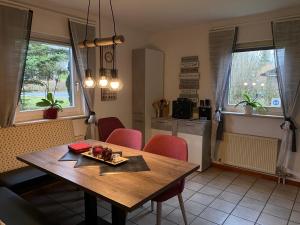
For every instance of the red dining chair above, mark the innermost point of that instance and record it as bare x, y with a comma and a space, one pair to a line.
173, 147
108, 125
126, 137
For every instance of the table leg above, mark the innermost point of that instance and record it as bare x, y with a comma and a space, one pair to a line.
90, 203
118, 216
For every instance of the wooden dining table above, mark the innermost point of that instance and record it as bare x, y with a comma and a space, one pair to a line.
126, 191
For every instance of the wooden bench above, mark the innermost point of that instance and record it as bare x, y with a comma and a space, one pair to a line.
16, 175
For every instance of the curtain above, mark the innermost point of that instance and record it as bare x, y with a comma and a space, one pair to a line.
221, 45
286, 35
15, 25
77, 34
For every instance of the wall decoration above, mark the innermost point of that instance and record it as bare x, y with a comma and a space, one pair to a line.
189, 78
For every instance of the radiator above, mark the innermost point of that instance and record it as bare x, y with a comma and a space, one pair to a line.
250, 152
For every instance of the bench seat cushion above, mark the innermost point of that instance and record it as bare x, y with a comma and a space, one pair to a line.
24, 179
16, 211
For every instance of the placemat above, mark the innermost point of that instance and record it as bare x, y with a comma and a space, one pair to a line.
70, 156
81, 160
134, 164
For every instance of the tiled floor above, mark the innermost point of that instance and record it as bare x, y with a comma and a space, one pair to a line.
211, 197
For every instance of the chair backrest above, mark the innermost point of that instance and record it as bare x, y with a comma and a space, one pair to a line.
32, 137
167, 145
107, 125
126, 137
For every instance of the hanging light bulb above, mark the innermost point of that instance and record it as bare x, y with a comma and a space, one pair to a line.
103, 80
115, 83
88, 82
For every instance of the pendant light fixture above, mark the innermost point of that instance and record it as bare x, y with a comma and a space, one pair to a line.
108, 78
89, 81
103, 80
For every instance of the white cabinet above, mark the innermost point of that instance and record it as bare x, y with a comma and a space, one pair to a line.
195, 148
195, 132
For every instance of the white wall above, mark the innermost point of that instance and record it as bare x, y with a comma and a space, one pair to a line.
49, 22
193, 40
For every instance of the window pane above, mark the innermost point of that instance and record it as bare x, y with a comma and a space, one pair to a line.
48, 69
253, 72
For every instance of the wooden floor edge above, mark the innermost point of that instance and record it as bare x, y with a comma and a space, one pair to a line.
253, 173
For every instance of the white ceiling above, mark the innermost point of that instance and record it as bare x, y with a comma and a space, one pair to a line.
156, 15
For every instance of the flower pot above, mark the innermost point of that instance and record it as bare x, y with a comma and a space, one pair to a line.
50, 113
248, 109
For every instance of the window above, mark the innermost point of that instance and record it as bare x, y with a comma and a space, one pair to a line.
254, 73
49, 68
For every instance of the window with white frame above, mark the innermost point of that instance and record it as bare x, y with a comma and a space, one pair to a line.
49, 68
253, 73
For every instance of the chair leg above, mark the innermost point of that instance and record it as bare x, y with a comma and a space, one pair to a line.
158, 216
152, 206
182, 208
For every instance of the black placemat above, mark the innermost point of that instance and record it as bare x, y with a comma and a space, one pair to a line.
85, 161
134, 164
81, 160
70, 156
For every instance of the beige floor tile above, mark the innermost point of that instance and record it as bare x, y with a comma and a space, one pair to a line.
281, 202
200, 221
252, 204
186, 194
222, 205
149, 219
258, 195
295, 217
240, 190
292, 223
277, 211
172, 202
176, 217
201, 179
194, 208
285, 194
297, 207
246, 213
214, 215
210, 191
202, 198
266, 219
230, 197
233, 220
191, 185
191, 176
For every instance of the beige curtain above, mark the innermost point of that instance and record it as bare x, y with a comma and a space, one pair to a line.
286, 36
77, 34
15, 25
221, 45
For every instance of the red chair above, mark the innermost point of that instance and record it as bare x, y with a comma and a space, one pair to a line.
108, 125
173, 147
126, 137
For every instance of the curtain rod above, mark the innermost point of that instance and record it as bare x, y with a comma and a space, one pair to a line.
30, 6
278, 19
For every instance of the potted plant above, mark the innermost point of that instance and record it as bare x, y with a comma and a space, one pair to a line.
53, 106
249, 104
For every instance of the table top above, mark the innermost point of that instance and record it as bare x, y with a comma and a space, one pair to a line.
127, 190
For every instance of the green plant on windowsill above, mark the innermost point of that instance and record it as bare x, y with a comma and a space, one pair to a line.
53, 106
250, 104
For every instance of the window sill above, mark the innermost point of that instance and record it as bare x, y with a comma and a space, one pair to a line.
253, 115
48, 120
